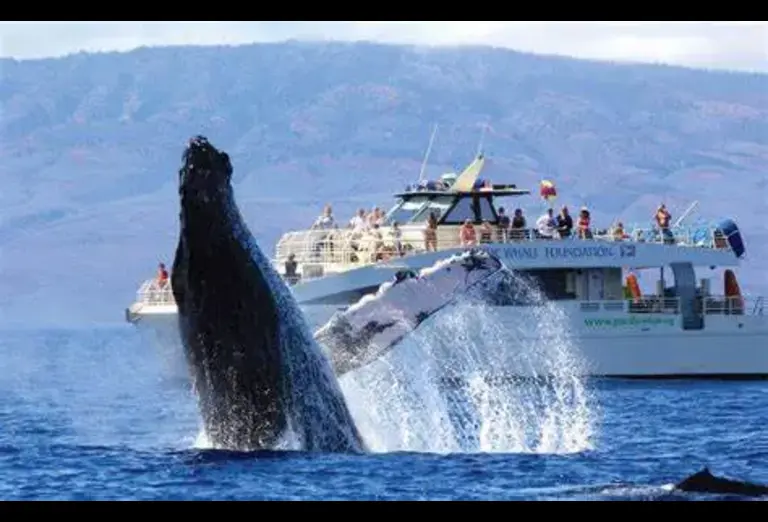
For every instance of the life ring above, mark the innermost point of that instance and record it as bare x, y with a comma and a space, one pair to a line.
734, 300
633, 287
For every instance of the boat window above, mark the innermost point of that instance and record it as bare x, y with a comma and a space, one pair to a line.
404, 211
438, 205
554, 283
463, 210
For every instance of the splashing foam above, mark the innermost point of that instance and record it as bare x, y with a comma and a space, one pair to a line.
447, 387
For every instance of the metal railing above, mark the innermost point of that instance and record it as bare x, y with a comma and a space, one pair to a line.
722, 305
641, 305
649, 304
152, 293
318, 252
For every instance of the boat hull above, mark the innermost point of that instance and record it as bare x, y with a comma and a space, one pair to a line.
512, 342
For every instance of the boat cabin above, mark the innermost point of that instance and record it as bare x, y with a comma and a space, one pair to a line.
450, 207
452, 199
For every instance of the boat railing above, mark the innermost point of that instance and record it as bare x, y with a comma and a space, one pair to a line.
728, 305
154, 293
759, 306
641, 305
686, 236
650, 304
319, 252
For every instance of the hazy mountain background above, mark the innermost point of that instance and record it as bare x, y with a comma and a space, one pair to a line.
91, 146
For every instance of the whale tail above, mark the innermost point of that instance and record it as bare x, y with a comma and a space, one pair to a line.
705, 482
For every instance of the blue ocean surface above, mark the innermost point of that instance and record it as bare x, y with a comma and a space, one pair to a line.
97, 414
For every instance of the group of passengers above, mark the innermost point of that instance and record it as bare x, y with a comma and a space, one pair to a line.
360, 222
364, 230
547, 226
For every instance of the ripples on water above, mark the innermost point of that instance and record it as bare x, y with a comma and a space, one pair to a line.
96, 415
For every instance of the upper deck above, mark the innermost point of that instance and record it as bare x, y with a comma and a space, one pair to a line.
468, 198
319, 253
322, 252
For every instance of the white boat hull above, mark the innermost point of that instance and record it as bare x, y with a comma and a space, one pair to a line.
510, 342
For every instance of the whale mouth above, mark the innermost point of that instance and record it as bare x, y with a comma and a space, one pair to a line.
205, 171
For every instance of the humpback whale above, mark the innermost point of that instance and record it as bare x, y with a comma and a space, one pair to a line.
259, 376
705, 482
373, 326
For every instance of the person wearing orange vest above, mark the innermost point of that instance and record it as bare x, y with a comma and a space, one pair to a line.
162, 275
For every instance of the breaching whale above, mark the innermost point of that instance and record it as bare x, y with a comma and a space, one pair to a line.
369, 329
705, 482
259, 376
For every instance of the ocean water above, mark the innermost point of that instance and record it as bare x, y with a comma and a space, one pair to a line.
96, 414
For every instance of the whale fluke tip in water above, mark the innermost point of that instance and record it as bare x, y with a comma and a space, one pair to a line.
705, 482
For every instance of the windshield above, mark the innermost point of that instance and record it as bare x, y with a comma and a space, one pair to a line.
405, 210
438, 205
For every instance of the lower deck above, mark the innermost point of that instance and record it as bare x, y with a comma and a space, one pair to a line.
644, 313
600, 338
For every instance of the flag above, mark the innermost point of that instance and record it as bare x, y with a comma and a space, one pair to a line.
548, 191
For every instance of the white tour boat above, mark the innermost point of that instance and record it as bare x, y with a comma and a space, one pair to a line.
683, 328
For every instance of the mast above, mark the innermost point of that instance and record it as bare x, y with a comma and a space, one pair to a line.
481, 144
426, 155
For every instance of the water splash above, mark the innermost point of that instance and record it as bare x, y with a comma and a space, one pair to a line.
454, 385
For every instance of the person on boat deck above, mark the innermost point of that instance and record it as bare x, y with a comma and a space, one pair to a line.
356, 229
583, 225
618, 232
359, 223
162, 276
504, 224
376, 242
467, 234
564, 223
397, 235
325, 221
517, 230
290, 269
486, 233
663, 221
430, 233
546, 225
376, 217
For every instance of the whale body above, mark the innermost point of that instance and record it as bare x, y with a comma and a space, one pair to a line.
259, 376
